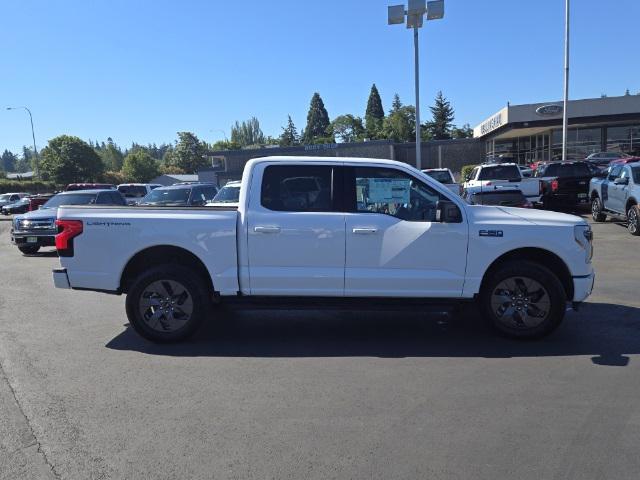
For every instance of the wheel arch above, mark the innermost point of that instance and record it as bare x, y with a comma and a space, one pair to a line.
162, 254
631, 201
541, 256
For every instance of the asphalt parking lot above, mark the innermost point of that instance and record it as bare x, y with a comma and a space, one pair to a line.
317, 395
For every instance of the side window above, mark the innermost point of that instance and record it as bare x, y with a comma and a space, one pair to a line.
197, 196
117, 198
209, 193
14, 198
474, 173
297, 188
615, 172
103, 199
392, 192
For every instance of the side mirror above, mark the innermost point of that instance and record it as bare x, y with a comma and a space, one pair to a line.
448, 212
621, 181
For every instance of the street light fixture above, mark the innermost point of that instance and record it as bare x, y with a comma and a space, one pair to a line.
415, 15
33, 135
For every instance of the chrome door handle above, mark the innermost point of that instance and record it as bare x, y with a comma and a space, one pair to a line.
267, 229
364, 231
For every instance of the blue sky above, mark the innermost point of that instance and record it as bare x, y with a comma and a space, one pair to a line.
142, 70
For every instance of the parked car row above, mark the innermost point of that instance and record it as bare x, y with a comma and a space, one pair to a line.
14, 203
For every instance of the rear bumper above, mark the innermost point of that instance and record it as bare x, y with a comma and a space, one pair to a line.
60, 278
583, 286
568, 199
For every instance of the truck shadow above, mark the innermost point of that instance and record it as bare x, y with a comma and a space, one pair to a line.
606, 333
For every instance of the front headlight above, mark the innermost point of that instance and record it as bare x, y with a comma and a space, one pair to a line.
583, 236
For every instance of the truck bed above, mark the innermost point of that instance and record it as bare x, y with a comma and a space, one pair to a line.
209, 233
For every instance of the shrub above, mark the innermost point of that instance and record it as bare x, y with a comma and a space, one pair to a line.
112, 177
7, 186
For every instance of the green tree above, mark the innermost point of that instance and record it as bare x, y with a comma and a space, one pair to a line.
347, 128
226, 145
188, 154
247, 133
374, 116
68, 159
8, 161
465, 131
140, 167
111, 156
289, 135
443, 115
400, 124
317, 120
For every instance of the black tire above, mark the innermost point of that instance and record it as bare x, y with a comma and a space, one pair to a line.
633, 220
152, 314
597, 210
522, 309
29, 249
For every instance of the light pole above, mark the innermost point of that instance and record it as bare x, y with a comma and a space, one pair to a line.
414, 14
565, 114
33, 135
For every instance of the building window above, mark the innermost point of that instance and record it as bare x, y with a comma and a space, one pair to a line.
624, 139
580, 142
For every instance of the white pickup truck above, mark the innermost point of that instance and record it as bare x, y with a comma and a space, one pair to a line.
498, 176
323, 231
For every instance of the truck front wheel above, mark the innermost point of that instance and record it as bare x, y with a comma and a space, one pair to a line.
167, 303
523, 300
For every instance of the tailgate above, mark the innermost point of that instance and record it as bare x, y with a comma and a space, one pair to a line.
112, 236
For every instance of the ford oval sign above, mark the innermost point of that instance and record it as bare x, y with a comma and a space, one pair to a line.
549, 110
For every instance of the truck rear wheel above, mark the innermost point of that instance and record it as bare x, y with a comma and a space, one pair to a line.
523, 300
29, 249
596, 210
167, 303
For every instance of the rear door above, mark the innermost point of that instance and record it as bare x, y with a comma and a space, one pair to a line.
394, 245
296, 231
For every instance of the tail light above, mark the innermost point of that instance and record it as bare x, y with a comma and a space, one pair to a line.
554, 185
67, 231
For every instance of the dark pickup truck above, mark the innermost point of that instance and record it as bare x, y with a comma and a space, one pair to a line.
564, 184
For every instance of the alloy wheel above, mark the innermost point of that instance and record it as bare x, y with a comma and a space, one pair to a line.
520, 303
632, 221
165, 305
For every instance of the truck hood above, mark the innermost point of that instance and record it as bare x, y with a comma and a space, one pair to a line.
496, 215
40, 214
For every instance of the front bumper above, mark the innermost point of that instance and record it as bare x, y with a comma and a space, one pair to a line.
60, 278
583, 286
25, 238
569, 199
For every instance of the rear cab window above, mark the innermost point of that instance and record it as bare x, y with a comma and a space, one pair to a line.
500, 172
298, 188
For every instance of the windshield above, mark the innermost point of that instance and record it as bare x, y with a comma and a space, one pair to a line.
565, 170
500, 172
161, 196
5, 197
228, 194
70, 199
133, 191
442, 176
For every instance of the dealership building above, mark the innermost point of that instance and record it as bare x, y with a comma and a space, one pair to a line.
533, 132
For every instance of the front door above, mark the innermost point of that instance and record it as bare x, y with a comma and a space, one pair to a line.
395, 246
296, 239
618, 193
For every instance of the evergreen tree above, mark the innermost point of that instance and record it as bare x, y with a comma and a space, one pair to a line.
188, 154
443, 114
289, 135
140, 166
247, 133
374, 116
317, 120
8, 161
465, 131
396, 104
